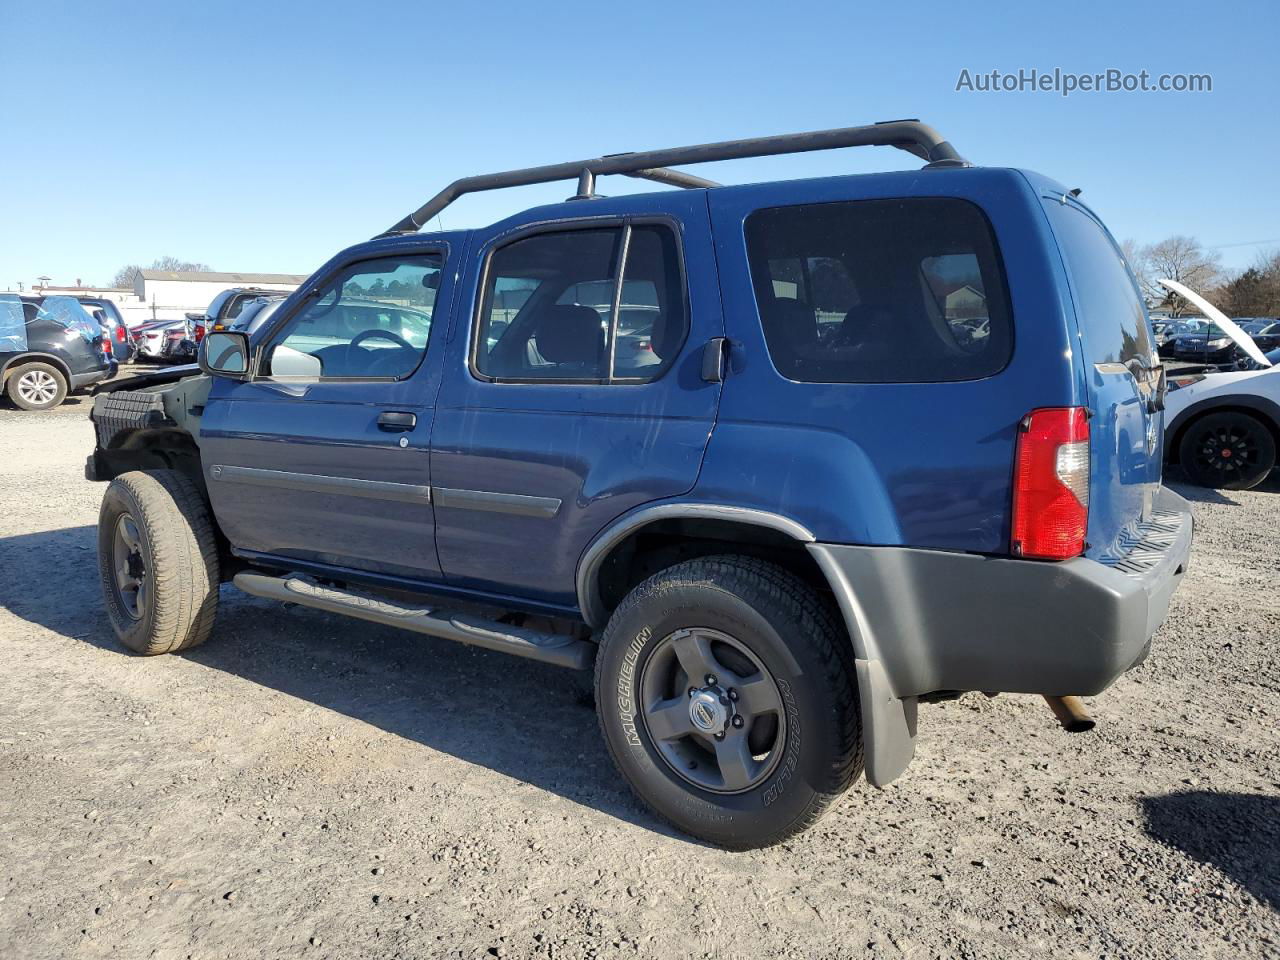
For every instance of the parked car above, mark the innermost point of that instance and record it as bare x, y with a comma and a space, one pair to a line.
152, 338
49, 346
181, 343
1209, 345
1266, 334
772, 545
1223, 427
109, 318
254, 314
228, 305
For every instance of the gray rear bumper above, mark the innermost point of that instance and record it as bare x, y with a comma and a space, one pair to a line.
87, 377
927, 620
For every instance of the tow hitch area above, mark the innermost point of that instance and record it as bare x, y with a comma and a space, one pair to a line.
1071, 713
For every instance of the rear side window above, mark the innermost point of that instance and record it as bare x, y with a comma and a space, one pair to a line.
1108, 307
583, 306
880, 291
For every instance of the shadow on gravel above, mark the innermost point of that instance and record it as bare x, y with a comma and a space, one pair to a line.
1238, 833
1178, 481
51, 578
518, 718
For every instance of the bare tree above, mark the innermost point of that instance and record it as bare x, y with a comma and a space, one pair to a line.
126, 275
1178, 258
1254, 292
1135, 261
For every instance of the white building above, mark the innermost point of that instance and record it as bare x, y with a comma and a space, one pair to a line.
169, 294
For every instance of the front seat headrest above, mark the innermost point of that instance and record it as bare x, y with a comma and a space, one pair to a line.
568, 333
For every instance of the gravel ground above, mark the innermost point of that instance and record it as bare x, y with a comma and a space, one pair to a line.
308, 786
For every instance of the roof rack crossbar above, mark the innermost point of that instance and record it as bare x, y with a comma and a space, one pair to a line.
916, 138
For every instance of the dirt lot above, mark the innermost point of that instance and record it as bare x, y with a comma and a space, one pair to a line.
305, 786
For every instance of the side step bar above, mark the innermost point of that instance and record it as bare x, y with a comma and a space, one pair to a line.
550, 648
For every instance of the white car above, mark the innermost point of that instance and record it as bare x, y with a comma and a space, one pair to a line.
1224, 427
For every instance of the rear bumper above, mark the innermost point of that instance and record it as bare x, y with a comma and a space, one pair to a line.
106, 372
950, 621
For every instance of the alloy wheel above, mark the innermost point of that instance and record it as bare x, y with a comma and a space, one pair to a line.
713, 710
1227, 450
37, 387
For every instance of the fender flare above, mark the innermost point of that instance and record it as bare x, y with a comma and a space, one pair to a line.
38, 356
589, 601
1249, 401
888, 722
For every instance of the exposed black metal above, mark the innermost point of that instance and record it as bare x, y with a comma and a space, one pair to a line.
916, 138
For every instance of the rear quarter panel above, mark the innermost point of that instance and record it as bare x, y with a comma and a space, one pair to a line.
916, 464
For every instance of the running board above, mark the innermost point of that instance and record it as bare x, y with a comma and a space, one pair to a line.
552, 648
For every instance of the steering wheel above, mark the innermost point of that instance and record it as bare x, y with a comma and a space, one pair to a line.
395, 338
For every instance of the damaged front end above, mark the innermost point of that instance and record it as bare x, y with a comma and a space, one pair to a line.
147, 422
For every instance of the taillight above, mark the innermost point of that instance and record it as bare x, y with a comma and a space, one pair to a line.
1051, 484
199, 332
120, 334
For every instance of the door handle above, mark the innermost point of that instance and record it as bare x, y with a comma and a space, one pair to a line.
396, 420
713, 358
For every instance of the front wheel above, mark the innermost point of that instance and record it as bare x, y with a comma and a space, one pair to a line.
1229, 451
158, 561
727, 697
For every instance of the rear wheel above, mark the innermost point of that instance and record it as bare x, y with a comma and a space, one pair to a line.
158, 561
1229, 451
37, 386
727, 697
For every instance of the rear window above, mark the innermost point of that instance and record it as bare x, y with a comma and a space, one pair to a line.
1108, 308
880, 291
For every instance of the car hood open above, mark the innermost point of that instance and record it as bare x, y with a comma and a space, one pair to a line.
1229, 326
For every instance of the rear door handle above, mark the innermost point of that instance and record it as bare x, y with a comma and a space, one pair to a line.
396, 420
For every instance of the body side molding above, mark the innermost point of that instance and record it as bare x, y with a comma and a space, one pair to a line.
318, 483
515, 503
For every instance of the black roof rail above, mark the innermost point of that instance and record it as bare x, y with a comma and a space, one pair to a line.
913, 136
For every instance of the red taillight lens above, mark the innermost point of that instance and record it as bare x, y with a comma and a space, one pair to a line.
1051, 484
199, 332
120, 334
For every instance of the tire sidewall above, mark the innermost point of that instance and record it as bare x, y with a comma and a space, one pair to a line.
26, 368
118, 500
804, 770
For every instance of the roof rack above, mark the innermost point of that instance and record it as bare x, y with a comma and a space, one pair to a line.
910, 135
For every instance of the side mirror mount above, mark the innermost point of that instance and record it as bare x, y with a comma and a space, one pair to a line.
225, 354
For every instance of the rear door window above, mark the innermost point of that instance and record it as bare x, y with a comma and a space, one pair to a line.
874, 291
583, 306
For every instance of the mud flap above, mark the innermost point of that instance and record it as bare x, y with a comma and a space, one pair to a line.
888, 725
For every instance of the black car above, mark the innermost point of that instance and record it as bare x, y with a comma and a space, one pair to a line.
49, 346
1206, 345
1267, 337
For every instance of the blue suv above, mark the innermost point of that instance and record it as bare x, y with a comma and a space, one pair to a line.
783, 461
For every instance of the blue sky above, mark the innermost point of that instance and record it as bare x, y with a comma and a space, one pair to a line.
265, 137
